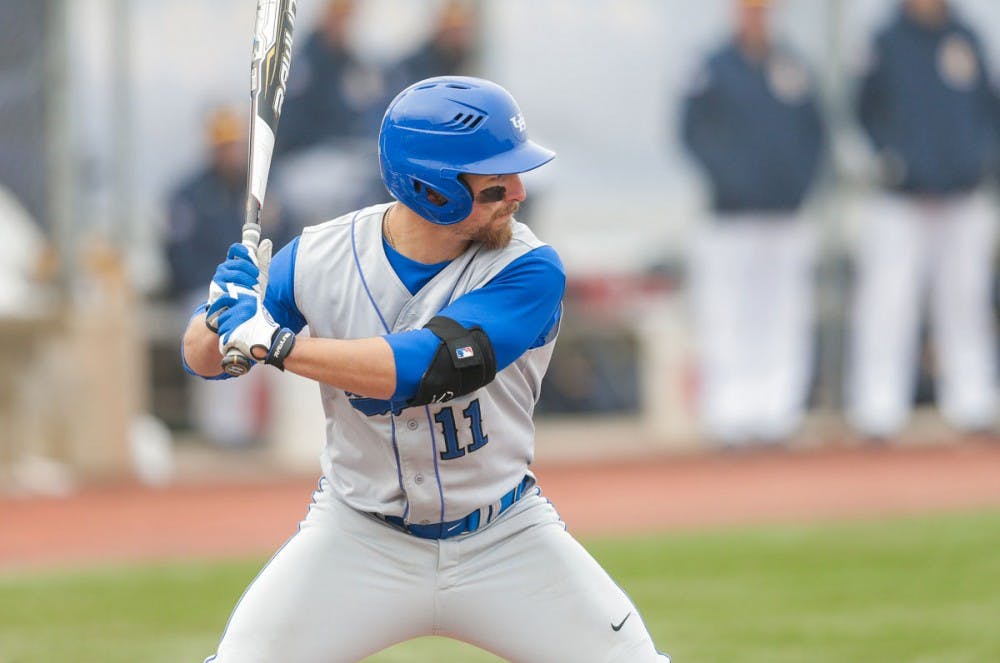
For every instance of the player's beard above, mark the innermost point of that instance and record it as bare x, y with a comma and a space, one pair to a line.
497, 235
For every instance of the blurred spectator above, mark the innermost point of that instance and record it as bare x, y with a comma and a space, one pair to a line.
450, 50
333, 95
205, 215
208, 208
325, 155
927, 106
752, 122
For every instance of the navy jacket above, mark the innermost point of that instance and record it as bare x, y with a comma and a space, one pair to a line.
756, 129
926, 101
331, 96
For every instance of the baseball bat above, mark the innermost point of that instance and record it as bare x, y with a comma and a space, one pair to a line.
270, 60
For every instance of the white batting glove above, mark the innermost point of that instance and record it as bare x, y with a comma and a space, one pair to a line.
243, 272
246, 325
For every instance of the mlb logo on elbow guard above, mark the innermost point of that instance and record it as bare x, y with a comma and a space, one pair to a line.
463, 353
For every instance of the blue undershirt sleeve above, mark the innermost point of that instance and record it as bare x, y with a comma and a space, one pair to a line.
280, 296
517, 309
413, 352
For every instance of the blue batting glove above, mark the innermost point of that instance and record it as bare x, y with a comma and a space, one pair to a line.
242, 272
233, 312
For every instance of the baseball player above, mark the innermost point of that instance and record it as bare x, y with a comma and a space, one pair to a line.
431, 323
929, 233
752, 122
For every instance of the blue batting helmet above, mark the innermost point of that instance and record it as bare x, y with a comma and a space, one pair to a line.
441, 127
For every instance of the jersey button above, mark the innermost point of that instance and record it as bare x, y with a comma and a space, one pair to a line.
412, 424
419, 479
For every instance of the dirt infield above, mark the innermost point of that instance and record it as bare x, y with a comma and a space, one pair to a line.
131, 523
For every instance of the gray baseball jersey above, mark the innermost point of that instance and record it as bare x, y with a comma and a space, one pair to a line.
411, 463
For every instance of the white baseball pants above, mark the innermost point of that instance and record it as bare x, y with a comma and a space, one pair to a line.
752, 299
348, 585
911, 251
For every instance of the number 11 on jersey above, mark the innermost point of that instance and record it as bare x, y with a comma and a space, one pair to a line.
446, 417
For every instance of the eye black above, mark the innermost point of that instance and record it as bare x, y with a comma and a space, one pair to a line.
493, 194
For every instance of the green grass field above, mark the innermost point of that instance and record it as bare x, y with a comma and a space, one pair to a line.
912, 590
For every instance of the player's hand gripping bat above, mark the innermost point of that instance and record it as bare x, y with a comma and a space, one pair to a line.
271, 57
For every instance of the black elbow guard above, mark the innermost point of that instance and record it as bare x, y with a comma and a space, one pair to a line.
463, 363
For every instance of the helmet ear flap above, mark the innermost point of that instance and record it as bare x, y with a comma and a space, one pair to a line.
447, 201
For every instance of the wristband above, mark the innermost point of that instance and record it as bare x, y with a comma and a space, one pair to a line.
281, 347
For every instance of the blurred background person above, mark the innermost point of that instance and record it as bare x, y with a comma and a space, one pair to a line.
324, 149
751, 121
205, 213
332, 93
450, 50
929, 232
